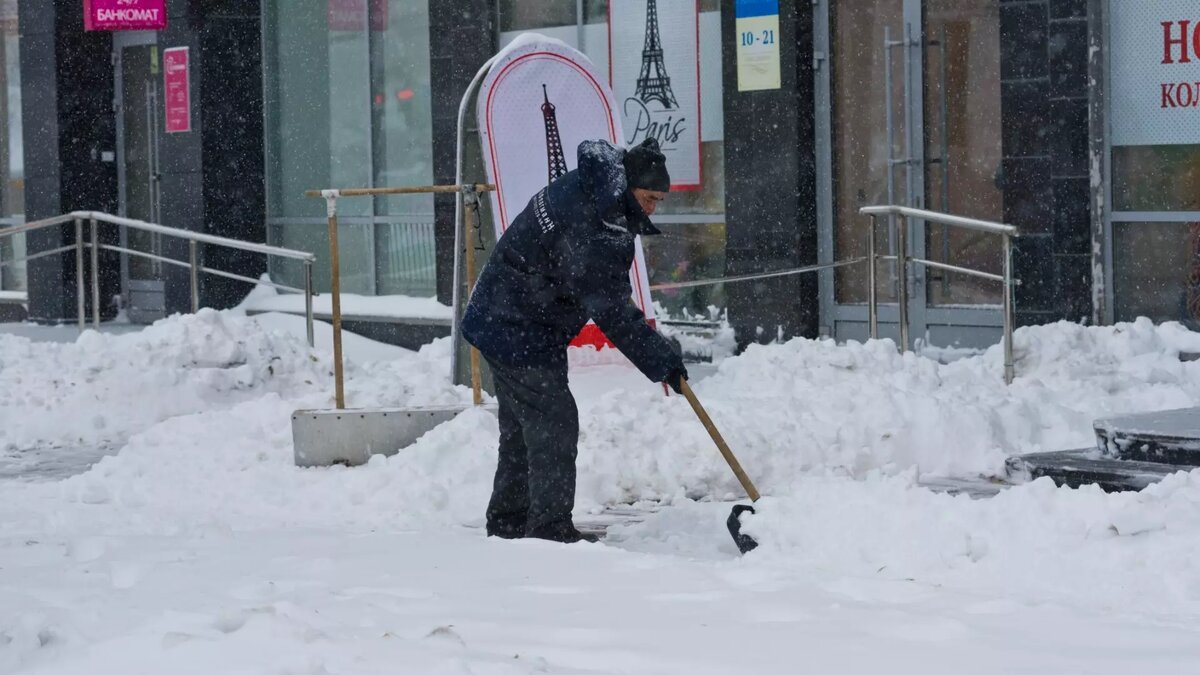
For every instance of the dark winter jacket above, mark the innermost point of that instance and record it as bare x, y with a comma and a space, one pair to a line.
566, 258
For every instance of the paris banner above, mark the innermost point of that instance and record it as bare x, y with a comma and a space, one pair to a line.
540, 100
654, 69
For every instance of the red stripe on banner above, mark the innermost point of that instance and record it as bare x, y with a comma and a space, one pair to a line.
612, 130
637, 277
608, 19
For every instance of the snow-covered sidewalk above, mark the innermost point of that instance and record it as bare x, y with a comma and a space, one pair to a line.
199, 547
449, 602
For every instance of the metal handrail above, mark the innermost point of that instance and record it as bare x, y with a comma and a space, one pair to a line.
195, 267
941, 218
1008, 232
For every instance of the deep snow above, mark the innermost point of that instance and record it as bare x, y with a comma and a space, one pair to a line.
199, 547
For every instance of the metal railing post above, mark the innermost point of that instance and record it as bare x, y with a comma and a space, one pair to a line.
95, 273
902, 282
308, 302
79, 290
872, 299
95, 218
903, 258
1009, 369
195, 274
889, 123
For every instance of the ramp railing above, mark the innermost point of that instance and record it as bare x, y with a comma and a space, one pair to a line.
902, 259
194, 264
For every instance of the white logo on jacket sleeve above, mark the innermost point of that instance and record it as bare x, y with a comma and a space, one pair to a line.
541, 214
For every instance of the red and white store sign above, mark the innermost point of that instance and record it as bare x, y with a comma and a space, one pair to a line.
124, 14
542, 98
1154, 72
177, 85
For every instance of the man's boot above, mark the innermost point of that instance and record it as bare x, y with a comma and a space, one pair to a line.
563, 532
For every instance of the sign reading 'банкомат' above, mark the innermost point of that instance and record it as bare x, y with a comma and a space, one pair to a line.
124, 14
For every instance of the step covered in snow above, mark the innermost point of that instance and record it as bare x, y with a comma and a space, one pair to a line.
1088, 466
1168, 437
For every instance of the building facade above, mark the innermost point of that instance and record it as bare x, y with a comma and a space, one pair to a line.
1029, 112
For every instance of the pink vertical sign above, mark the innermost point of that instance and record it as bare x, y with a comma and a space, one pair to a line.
176, 85
124, 14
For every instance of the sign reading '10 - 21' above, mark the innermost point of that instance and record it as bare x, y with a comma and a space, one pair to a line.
757, 25
1154, 70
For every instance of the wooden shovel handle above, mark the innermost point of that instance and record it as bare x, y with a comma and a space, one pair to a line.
335, 271
719, 440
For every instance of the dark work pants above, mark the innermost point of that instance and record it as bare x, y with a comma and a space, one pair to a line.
534, 488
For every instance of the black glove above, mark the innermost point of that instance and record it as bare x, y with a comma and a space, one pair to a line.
675, 377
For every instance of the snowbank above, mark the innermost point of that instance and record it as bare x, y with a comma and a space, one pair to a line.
353, 305
857, 408
202, 405
192, 384
103, 388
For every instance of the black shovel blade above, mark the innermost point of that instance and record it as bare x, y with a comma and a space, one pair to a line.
744, 542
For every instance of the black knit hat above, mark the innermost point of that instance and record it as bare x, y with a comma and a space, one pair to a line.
646, 167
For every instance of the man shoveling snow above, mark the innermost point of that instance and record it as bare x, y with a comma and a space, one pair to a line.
565, 258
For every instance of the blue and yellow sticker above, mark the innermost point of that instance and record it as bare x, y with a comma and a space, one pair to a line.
757, 25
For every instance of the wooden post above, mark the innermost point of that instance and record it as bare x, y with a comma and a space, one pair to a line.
471, 199
336, 293
468, 192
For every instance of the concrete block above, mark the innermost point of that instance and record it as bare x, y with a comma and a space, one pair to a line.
350, 437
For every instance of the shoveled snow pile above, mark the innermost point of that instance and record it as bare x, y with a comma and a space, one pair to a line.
1136, 551
103, 388
205, 403
857, 408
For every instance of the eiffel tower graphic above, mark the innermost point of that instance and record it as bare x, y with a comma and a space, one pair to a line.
556, 163
653, 84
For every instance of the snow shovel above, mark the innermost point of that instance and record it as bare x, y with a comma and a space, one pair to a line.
351, 436
744, 542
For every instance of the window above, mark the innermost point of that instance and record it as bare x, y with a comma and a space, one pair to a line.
692, 245
12, 165
1156, 178
1154, 224
1157, 272
348, 105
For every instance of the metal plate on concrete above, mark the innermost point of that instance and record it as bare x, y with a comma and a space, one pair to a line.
1088, 466
350, 437
1167, 436
976, 487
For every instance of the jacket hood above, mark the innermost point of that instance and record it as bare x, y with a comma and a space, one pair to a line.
601, 168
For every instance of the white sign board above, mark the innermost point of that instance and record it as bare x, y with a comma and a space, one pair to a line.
540, 100
654, 69
757, 24
1154, 68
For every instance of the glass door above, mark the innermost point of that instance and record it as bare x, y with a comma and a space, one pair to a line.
908, 113
139, 129
964, 172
